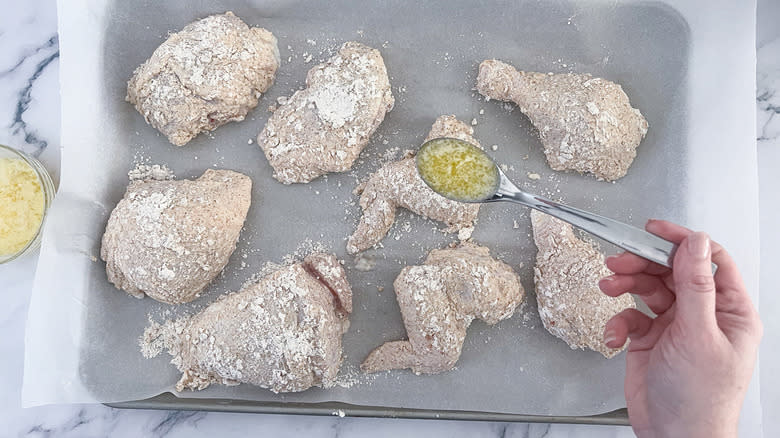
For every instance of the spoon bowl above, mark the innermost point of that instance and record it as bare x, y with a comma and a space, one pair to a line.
458, 170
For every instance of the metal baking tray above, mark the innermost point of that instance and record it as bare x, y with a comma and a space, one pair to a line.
617, 417
642, 45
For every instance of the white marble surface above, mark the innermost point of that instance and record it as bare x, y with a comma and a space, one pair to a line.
29, 119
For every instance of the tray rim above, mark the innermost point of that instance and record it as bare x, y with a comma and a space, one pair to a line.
168, 401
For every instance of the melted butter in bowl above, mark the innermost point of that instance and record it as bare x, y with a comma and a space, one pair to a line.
457, 170
26, 191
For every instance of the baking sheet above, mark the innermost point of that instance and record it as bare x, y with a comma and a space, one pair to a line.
432, 54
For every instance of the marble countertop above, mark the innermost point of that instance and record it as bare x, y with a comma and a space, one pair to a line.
29, 119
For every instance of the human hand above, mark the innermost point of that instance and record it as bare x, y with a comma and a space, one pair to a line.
688, 369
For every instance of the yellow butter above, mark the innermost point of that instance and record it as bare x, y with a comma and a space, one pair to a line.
21, 204
457, 170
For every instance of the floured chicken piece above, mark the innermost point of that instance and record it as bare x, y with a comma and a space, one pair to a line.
438, 301
567, 274
324, 127
282, 332
209, 74
399, 185
586, 124
170, 239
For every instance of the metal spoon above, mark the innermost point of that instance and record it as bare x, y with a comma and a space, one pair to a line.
632, 239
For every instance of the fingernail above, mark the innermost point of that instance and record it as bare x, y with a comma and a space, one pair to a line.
612, 257
609, 338
699, 245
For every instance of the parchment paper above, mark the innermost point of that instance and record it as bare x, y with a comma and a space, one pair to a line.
82, 333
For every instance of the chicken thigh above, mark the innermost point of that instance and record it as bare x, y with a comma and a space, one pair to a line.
586, 124
567, 273
170, 239
324, 127
398, 184
209, 74
438, 300
282, 332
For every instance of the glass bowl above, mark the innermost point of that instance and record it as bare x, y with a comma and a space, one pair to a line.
48, 194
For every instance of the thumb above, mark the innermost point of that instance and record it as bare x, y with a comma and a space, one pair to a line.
693, 281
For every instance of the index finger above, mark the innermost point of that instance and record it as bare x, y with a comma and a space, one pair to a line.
628, 263
727, 275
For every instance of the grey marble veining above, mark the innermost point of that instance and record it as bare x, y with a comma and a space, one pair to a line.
29, 119
49, 51
29, 90
768, 92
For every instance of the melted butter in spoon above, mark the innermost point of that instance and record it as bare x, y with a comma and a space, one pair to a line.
457, 170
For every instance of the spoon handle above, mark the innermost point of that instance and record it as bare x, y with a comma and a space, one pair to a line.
631, 239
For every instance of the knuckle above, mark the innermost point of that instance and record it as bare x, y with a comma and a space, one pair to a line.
701, 283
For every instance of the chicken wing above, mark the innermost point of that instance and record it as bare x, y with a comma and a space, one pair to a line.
438, 300
209, 74
324, 127
282, 332
170, 239
399, 185
566, 275
586, 124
